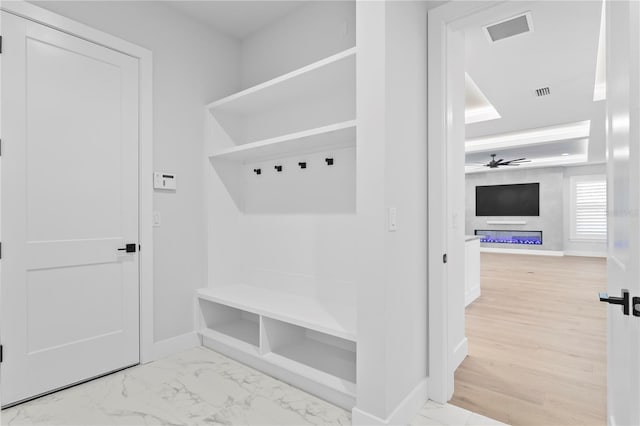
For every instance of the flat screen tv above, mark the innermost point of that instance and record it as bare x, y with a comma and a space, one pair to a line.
521, 199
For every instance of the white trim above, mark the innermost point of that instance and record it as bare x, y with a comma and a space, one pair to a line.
145, 58
521, 251
471, 295
588, 253
168, 347
506, 222
440, 20
403, 414
460, 352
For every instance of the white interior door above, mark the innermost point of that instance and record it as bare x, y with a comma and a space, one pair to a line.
69, 202
623, 178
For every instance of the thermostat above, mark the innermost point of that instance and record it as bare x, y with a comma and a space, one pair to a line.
162, 180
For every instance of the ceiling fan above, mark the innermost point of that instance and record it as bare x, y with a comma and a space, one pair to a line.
494, 164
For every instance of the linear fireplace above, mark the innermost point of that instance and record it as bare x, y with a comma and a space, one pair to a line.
504, 236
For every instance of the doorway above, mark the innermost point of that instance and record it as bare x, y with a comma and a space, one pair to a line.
445, 101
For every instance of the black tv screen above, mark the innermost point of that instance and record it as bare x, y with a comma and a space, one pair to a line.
521, 199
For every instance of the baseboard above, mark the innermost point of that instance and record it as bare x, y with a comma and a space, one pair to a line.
460, 352
585, 253
517, 251
471, 295
403, 414
173, 345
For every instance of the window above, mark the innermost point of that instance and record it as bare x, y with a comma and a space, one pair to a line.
588, 208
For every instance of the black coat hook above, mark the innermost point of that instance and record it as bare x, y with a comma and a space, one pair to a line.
278, 168
329, 161
257, 171
302, 164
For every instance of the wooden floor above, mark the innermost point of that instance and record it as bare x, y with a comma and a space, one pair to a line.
537, 342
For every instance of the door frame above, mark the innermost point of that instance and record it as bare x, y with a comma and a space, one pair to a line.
20, 8
442, 164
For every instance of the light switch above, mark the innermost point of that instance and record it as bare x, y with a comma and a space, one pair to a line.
393, 219
156, 219
163, 180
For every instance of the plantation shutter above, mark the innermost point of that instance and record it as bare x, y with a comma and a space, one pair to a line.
590, 209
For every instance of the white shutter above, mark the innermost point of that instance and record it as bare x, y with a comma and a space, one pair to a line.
589, 212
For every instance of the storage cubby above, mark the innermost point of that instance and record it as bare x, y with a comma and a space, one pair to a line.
281, 184
318, 351
228, 321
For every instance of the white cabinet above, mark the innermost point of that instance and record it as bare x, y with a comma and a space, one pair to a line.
281, 185
472, 269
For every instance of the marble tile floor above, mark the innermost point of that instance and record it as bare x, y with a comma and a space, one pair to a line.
199, 387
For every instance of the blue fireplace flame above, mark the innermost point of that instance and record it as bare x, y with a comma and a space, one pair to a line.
510, 237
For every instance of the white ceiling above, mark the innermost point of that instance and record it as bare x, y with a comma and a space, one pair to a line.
561, 53
237, 18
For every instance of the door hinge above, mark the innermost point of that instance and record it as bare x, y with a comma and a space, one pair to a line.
444, 258
1, 353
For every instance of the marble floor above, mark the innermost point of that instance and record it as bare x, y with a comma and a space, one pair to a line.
199, 387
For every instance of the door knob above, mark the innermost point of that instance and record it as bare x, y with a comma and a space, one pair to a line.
635, 304
624, 300
129, 248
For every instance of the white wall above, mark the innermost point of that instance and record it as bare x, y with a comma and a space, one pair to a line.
193, 65
554, 219
307, 34
551, 206
295, 231
392, 154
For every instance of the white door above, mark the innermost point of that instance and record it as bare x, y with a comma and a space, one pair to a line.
623, 178
69, 202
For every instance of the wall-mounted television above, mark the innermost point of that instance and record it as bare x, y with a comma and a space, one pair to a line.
522, 199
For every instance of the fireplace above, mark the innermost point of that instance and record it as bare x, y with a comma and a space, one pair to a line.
503, 236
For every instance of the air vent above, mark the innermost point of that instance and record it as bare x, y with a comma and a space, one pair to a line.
511, 27
543, 91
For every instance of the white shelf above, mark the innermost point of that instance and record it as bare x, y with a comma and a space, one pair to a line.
347, 387
333, 319
229, 340
322, 76
242, 329
334, 136
320, 356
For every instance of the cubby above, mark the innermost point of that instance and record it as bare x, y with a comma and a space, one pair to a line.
222, 321
281, 179
317, 351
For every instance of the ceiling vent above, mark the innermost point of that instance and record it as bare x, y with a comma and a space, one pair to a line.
511, 27
543, 91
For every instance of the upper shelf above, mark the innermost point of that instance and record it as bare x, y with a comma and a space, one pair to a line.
339, 135
335, 71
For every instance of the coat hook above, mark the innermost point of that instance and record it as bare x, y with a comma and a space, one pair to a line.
257, 171
278, 168
329, 161
302, 164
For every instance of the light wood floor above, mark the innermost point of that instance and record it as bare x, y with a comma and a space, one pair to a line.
537, 342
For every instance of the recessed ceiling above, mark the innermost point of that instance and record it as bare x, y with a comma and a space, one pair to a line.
237, 18
563, 152
560, 54
477, 106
